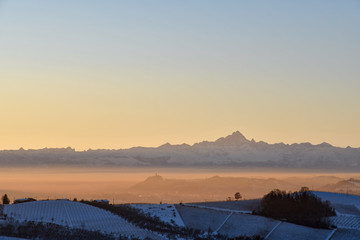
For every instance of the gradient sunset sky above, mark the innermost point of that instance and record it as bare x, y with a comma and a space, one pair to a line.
117, 74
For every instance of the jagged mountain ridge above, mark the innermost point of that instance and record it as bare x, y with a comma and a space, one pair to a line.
234, 151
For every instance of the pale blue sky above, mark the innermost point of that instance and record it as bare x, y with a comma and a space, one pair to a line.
124, 73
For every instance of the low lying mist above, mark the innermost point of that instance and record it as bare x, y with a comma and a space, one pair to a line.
154, 185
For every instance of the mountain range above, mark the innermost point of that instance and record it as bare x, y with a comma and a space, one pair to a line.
233, 151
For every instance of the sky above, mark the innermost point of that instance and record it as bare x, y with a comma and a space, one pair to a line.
118, 74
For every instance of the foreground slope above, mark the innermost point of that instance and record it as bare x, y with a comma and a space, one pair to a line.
166, 212
226, 220
284, 230
248, 225
231, 218
75, 215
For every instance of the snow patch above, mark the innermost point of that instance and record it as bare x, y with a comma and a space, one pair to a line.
166, 212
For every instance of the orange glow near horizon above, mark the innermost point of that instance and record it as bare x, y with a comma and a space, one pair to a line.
123, 74
114, 183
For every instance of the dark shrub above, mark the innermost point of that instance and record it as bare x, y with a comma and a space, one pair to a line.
301, 207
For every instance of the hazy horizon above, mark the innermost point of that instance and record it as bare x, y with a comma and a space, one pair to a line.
114, 184
191, 144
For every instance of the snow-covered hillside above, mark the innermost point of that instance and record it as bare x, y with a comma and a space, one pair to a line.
231, 218
284, 230
340, 198
245, 205
233, 223
11, 238
228, 218
166, 212
347, 208
75, 215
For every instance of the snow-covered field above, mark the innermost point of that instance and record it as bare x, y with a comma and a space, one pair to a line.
245, 205
247, 225
347, 207
346, 234
200, 218
340, 198
10, 238
233, 223
76, 215
346, 221
297, 232
226, 218
166, 212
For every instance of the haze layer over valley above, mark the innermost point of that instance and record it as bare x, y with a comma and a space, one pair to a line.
126, 185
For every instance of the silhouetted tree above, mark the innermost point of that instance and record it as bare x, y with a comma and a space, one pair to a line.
5, 199
238, 196
301, 207
304, 189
